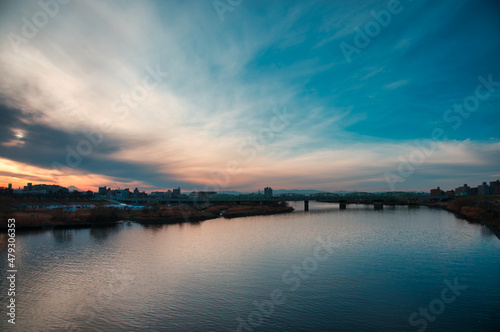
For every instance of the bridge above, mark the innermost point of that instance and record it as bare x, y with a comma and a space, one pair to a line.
378, 200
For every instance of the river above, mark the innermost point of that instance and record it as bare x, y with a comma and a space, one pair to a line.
359, 269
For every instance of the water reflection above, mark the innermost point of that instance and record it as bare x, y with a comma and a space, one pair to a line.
204, 276
3, 241
154, 227
100, 234
63, 236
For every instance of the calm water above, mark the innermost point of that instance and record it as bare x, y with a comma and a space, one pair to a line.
378, 269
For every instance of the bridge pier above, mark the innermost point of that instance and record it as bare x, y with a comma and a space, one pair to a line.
378, 206
342, 205
306, 205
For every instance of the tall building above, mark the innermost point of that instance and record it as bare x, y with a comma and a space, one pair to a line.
268, 192
103, 191
483, 189
176, 193
495, 187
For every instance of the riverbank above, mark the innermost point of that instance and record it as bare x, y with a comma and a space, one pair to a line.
474, 209
155, 214
186, 213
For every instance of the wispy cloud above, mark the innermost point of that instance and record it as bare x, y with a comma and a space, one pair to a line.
223, 81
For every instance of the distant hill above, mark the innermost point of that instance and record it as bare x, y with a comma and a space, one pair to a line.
71, 188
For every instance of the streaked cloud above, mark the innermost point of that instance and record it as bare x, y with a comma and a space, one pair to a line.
222, 81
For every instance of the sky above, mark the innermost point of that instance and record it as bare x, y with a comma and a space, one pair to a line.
241, 95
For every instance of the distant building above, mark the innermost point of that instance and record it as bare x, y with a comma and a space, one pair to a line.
462, 191
102, 191
483, 189
268, 192
4, 190
125, 193
472, 192
495, 187
176, 193
450, 193
162, 194
437, 192
45, 189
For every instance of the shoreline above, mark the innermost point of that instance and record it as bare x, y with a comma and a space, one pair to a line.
471, 209
158, 216
474, 210
495, 228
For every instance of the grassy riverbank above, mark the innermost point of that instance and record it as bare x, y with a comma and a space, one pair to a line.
186, 213
156, 214
477, 209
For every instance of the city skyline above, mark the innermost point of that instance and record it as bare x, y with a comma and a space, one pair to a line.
383, 96
483, 189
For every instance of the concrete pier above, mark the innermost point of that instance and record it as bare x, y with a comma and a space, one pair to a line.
306, 205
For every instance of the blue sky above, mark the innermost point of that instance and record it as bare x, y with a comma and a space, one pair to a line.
208, 77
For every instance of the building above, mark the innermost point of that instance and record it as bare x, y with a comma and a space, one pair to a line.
268, 192
176, 193
472, 192
495, 187
45, 189
462, 191
437, 192
483, 189
162, 194
103, 191
125, 193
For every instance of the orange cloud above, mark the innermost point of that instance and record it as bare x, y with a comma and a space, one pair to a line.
18, 174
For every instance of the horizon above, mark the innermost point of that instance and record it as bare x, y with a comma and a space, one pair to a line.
373, 97
258, 190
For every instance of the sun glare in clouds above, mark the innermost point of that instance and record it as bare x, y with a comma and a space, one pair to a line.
216, 86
